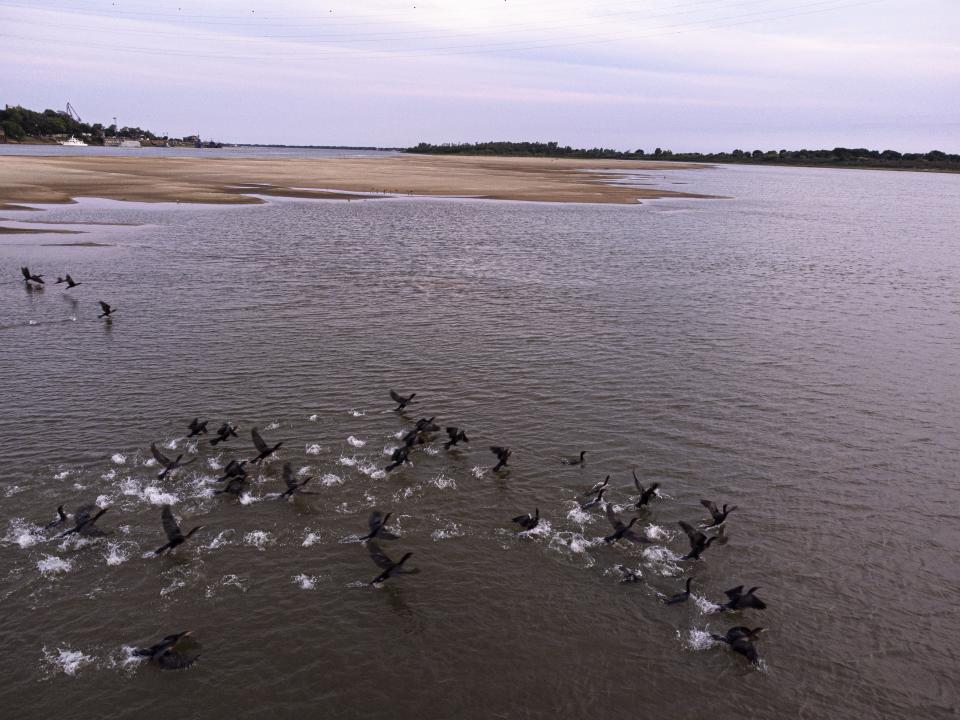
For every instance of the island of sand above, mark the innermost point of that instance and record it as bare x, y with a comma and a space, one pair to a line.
60, 179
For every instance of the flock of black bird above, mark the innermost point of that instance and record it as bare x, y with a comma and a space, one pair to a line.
34, 280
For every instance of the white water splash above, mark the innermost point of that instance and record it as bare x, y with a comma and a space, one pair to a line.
220, 540
156, 496
23, 533
579, 515
357, 413
109, 475
662, 560
272, 426
61, 475
312, 418
248, 499
704, 605
399, 434
66, 661
372, 471
172, 587
478, 471
311, 538
451, 530
347, 461
388, 450
129, 658
214, 464
307, 582
118, 459
172, 444
149, 462
51, 565
258, 539
116, 554
697, 639
313, 449
330, 480
444, 482
431, 450
657, 532
356, 442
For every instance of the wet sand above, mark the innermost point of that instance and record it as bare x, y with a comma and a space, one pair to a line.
35, 179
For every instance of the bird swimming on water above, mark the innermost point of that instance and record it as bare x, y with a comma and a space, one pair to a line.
528, 521
293, 487
646, 494
166, 655
61, 519
84, 520
401, 401
737, 599
264, 449
719, 516
387, 565
399, 456
503, 454
224, 433
378, 523
740, 639
28, 276
196, 427
574, 460
620, 530
107, 310
456, 435
698, 541
175, 536
679, 597
168, 465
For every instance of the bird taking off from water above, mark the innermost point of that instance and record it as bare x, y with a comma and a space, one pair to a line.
107, 310
595, 488
168, 465
593, 502
166, 653
196, 427
740, 639
719, 516
399, 456
84, 519
620, 530
28, 276
737, 599
262, 447
387, 565
574, 460
528, 521
174, 536
456, 435
401, 401
503, 454
224, 433
646, 494
61, 519
293, 487
378, 524
698, 541
71, 283
679, 597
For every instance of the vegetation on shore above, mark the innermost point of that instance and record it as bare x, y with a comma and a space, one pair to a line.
837, 157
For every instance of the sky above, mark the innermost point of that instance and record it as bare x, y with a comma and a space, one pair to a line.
685, 75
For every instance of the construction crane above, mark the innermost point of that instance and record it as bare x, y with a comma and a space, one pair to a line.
72, 112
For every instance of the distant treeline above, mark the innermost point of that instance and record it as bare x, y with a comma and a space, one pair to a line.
838, 157
19, 123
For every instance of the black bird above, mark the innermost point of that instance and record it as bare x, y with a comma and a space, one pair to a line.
620, 530
719, 516
456, 435
170, 527
61, 518
234, 469
596, 487
84, 521
165, 655
196, 427
574, 460
646, 494
586, 505
265, 450
293, 487
386, 564
236, 485
107, 310
168, 465
378, 523
503, 454
528, 521
427, 425
740, 639
402, 401
737, 599
71, 283
28, 276
698, 541
224, 433
679, 597
399, 457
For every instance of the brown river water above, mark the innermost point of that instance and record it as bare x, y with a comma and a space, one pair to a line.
792, 350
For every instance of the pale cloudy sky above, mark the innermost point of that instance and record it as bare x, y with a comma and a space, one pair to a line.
680, 74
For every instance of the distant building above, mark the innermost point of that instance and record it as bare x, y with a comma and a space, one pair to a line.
3, 136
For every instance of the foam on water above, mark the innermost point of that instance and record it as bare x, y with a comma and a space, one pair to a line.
657, 532
478, 471
312, 418
172, 587
220, 540
313, 449
307, 582
109, 475
431, 450
51, 565
543, 529
172, 444
310, 538
388, 450
704, 605
23, 533
214, 464
129, 658
149, 462
66, 661
347, 461
329, 480
259, 539
116, 553
155, 496
399, 434
357, 413
118, 459
662, 560
372, 471
443, 482
248, 499
579, 515
356, 442
61, 475
272, 426
12, 490
450, 530
697, 639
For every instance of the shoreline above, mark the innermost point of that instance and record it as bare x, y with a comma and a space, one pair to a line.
44, 179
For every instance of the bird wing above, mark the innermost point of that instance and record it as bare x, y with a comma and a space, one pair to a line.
83, 513
612, 517
395, 397
106, 308
637, 482
695, 535
288, 476
194, 424
453, 432
734, 593
159, 456
170, 526
497, 450
376, 519
711, 506
258, 441
69, 279
26, 272
521, 518
379, 556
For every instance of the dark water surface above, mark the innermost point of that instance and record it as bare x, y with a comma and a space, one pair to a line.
792, 350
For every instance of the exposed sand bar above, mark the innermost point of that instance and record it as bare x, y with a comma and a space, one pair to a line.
38, 179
